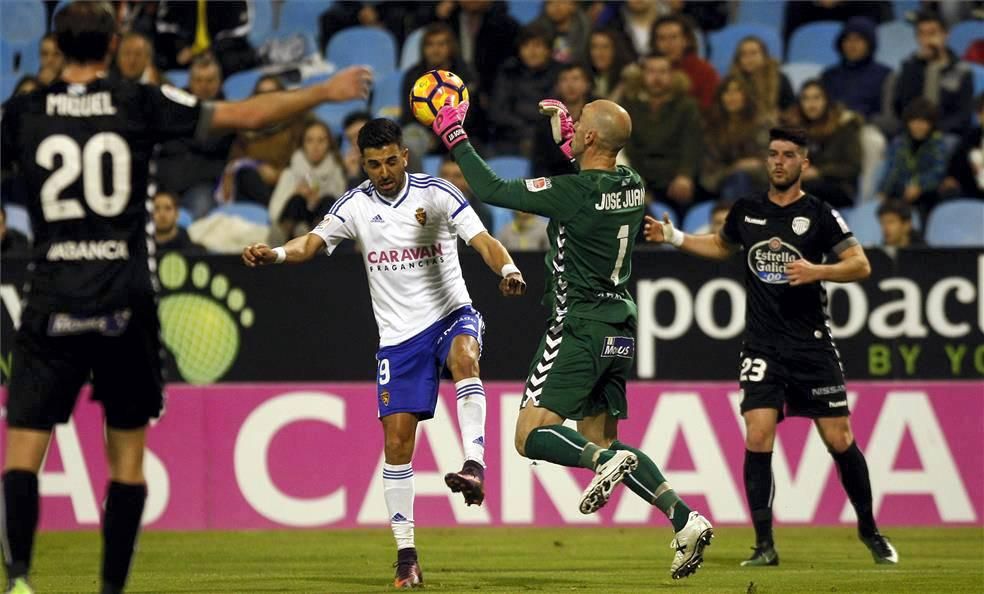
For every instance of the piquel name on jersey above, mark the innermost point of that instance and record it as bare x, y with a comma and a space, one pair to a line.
406, 258
96, 104
630, 198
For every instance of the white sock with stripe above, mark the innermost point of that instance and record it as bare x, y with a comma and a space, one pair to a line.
471, 418
398, 491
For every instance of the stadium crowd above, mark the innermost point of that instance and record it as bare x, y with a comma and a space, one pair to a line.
888, 142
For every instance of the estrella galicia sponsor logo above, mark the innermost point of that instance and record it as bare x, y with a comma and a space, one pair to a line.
619, 346
768, 259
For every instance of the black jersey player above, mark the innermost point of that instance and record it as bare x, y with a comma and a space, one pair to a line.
84, 144
789, 364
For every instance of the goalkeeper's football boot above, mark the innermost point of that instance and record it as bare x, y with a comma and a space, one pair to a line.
689, 545
408, 574
765, 554
469, 481
606, 477
882, 550
19, 586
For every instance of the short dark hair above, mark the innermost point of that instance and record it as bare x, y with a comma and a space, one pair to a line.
533, 32
896, 207
166, 194
920, 108
929, 16
378, 133
585, 70
205, 60
796, 136
84, 31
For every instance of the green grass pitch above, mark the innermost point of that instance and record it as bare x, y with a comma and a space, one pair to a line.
946, 560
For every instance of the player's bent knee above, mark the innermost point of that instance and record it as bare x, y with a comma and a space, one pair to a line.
759, 440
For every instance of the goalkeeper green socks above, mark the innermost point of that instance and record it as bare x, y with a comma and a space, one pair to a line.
648, 482
565, 446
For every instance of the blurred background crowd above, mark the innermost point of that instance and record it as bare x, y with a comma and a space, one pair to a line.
891, 95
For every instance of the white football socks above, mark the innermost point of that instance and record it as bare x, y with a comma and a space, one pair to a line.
398, 491
471, 418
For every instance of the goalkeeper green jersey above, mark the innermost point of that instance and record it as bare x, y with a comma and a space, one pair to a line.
594, 219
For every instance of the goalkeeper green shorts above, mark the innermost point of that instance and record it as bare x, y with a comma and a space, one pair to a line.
581, 367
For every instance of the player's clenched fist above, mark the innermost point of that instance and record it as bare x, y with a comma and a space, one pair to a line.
257, 254
512, 285
802, 272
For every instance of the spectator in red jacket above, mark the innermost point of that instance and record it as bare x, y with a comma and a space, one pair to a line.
674, 37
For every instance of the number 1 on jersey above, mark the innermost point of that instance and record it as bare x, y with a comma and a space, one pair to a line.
623, 244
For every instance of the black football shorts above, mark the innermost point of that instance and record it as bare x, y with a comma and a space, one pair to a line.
796, 382
55, 354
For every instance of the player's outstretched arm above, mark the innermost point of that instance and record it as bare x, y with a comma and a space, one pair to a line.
711, 245
853, 266
299, 249
265, 109
498, 259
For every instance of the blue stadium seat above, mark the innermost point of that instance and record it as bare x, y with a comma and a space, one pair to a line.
184, 218
957, 223
510, 167
500, 218
724, 42
978, 73
254, 213
363, 45
814, 42
178, 78
22, 21
903, 8
656, 210
300, 16
896, 42
863, 221
410, 54
762, 12
963, 34
524, 11
262, 22
698, 216
334, 114
387, 100
240, 85
800, 72
17, 218
431, 164
19, 57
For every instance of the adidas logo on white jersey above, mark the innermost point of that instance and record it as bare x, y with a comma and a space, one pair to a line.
376, 219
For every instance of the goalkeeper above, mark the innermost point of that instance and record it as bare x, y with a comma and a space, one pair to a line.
584, 358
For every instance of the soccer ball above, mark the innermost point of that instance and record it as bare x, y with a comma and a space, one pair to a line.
430, 91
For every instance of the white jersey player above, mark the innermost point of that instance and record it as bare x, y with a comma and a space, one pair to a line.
407, 227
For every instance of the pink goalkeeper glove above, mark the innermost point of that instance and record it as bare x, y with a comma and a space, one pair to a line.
561, 125
449, 121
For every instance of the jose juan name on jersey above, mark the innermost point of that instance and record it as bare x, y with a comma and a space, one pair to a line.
409, 248
772, 236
